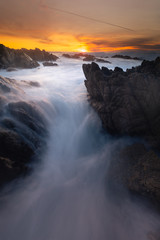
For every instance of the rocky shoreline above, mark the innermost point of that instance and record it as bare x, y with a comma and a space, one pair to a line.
11, 59
23, 129
128, 104
85, 57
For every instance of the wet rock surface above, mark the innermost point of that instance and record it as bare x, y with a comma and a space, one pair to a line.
23, 130
128, 103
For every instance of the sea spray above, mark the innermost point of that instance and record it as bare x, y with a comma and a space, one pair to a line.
66, 197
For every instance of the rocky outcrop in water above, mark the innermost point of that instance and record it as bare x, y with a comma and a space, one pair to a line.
11, 58
40, 55
125, 57
100, 60
89, 58
22, 130
49, 64
74, 56
128, 103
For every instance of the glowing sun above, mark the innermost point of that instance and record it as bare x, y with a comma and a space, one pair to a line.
82, 50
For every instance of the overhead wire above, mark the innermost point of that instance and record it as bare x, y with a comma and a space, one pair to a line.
85, 17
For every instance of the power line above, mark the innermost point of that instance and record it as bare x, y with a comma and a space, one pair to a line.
85, 17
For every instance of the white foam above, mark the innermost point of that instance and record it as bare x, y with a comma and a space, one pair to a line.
66, 196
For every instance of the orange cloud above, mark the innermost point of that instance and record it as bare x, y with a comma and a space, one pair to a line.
30, 24
70, 43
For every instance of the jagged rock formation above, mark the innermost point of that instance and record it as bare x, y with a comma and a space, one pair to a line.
22, 129
128, 103
15, 58
40, 56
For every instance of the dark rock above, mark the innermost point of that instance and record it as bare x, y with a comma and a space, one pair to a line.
10, 58
4, 88
125, 57
102, 60
89, 58
127, 103
74, 56
154, 235
138, 169
150, 67
118, 70
66, 55
8, 170
8, 85
11, 69
31, 83
40, 56
22, 130
85, 56
14, 147
34, 84
49, 64
106, 71
28, 114
8, 123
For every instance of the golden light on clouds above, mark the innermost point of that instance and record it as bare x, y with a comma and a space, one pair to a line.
28, 24
69, 43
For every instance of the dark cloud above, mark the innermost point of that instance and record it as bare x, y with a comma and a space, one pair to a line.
141, 43
151, 47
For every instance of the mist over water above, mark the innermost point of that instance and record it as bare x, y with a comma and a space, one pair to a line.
66, 196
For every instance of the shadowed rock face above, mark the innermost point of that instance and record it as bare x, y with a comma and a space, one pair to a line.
23, 129
40, 56
138, 169
128, 103
10, 58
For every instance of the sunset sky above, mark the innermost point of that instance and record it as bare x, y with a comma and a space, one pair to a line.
36, 23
